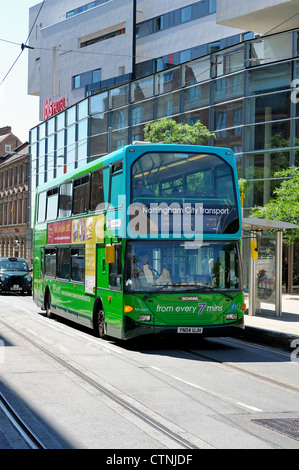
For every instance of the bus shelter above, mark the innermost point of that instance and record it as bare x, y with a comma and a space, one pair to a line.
265, 269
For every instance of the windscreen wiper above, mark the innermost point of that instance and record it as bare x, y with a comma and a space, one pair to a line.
147, 296
208, 287
200, 288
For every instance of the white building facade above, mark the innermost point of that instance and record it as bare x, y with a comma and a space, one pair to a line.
80, 46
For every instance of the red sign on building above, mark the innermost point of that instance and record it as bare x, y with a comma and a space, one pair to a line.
51, 108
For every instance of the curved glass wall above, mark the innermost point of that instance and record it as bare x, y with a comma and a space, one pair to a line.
245, 94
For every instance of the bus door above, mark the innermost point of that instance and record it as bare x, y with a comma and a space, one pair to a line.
114, 305
40, 284
102, 271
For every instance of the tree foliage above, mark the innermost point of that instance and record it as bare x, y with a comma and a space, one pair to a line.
169, 131
242, 186
285, 205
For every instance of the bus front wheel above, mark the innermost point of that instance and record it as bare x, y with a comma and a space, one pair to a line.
48, 305
99, 325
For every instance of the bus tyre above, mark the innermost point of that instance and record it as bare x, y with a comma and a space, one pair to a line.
48, 305
99, 327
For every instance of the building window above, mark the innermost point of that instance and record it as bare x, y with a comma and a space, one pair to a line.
186, 14
104, 37
213, 47
212, 6
158, 23
176, 17
86, 78
85, 7
76, 82
7, 148
96, 76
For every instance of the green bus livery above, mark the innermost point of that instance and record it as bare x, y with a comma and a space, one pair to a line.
143, 240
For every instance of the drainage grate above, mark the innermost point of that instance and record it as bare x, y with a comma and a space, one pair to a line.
287, 426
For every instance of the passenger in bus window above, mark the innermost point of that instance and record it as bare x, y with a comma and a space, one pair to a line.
141, 190
139, 262
141, 269
176, 193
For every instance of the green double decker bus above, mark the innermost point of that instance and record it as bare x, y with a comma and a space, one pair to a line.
142, 241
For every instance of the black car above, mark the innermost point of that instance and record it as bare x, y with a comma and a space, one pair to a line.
14, 276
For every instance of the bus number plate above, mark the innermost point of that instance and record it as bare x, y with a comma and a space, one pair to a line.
189, 329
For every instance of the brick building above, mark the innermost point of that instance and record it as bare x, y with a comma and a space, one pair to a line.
8, 141
13, 203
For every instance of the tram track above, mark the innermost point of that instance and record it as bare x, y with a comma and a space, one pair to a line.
163, 430
174, 435
243, 370
28, 435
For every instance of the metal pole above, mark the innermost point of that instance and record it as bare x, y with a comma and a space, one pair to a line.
252, 283
134, 41
109, 139
278, 274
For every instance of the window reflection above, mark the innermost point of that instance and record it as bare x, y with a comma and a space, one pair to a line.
266, 136
182, 267
179, 178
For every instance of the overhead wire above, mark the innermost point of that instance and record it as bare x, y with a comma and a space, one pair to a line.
188, 82
23, 45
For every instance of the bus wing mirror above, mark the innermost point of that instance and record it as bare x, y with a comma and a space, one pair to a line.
110, 253
253, 249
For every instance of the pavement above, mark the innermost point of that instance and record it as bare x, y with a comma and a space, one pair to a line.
267, 327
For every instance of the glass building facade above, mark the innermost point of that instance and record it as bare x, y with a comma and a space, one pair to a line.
245, 94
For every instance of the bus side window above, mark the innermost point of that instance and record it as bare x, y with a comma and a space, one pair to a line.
52, 204
50, 262
81, 195
63, 263
41, 211
65, 200
99, 189
42, 269
78, 264
117, 190
115, 269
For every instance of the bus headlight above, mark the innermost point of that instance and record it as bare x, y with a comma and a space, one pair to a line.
144, 317
232, 316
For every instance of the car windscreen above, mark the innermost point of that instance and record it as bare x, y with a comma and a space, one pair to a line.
7, 265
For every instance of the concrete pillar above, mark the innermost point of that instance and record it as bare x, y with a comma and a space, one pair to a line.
278, 274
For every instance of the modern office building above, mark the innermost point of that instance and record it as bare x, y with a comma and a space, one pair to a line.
81, 47
188, 67
262, 16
